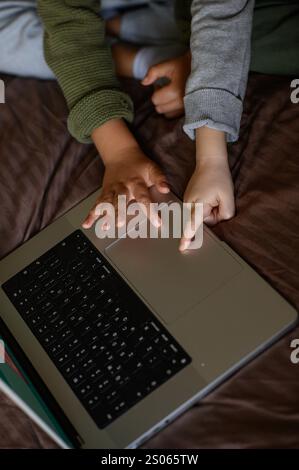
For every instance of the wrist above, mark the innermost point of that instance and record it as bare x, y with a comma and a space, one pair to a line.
113, 140
211, 160
211, 147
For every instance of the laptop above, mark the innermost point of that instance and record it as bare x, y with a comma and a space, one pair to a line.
120, 336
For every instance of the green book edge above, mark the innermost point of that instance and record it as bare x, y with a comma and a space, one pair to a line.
27, 392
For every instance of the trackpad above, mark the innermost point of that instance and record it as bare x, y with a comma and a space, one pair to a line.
172, 282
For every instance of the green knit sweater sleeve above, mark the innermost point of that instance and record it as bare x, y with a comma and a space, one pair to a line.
76, 50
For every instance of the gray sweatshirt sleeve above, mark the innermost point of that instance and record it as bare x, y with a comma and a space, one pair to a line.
220, 48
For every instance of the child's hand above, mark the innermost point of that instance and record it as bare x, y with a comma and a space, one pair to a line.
128, 171
212, 185
169, 99
130, 174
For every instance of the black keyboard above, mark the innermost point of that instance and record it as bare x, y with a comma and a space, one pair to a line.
106, 343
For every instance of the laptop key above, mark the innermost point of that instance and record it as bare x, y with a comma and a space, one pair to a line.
62, 358
88, 364
35, 320
133, 366
55, 349
95, 373
69, 368
111, 396
65, 334
73, 344
81, 354
52, 315
49, 339
119, 406
55, 293
152, 359
113, 368
104, 383
150, 330
84, 390
42, 329
59, 324
77, 379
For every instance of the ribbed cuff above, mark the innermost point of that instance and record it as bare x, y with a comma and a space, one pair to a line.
94, 110
213, 108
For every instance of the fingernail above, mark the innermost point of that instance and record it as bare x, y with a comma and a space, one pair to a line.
97, 210
165, 186
184, 246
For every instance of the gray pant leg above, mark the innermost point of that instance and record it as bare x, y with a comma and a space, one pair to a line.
148, 56
153, 24
110, 8
21, 40
155, 29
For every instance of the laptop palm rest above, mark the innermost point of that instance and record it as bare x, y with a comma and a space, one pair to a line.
171, 282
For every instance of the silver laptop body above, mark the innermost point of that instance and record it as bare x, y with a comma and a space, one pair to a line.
218, 309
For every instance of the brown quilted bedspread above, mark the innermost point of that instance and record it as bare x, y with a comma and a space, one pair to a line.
43, 172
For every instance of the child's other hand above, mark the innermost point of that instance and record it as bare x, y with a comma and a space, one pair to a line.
169, 99
210, 184
129, 173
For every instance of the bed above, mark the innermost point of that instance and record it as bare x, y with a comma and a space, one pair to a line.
44, 172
